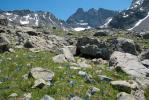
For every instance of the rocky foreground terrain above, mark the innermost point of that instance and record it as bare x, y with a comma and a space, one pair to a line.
37, 63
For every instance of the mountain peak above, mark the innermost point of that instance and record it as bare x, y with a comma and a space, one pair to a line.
80, 10
135, 18
90, 18
136, 3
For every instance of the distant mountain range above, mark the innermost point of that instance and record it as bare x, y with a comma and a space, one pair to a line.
91, 18
135, 18
31, 18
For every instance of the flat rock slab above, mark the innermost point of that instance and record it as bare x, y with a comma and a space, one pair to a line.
41, 73
126, 86
128, 63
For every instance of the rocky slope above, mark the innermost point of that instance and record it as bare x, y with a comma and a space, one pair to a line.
32, 18
135, 18
90, 18
94, 64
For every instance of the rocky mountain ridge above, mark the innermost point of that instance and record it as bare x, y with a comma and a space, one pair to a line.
32, 18
91, 18
135, 18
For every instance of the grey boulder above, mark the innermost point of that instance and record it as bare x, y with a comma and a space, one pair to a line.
92, 47
144, 55
145, 62
125, 45
125, 86
68, 55
41, 73
128, 63
4, 44
47, 97
125, 96
59, 58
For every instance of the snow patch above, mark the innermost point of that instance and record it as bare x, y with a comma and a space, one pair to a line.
83, 24
36, 20
81, 28
26, 17
10, 19
125, 16
139, 22
51, 20
24, 22
107, 23
8, 14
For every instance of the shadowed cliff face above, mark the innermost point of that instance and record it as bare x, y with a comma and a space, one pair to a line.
131, 18
92, 17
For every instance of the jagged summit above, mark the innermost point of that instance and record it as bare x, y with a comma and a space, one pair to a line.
91, 18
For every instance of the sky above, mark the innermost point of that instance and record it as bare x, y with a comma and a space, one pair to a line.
63, 8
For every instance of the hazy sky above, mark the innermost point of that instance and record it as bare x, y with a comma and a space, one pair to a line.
63, 8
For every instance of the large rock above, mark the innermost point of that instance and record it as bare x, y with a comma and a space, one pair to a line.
125, 45
126, 86
67, 53
50, 43
59, 58
47, 97
41, 73
145, 35
93, 48
3, 20
143, 82
145, 62
128, 63
144, 55
125, 96
72, 49
138, 94
28, 30
4, 43
21, 37
40, 83
36, 42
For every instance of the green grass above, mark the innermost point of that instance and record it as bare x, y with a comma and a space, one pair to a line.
14, 65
